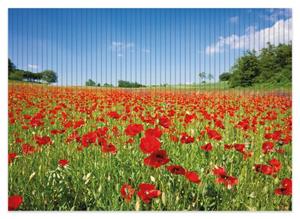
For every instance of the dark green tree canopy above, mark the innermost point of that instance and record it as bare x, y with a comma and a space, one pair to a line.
14, 73
90, 82
129, 84
272, 65
11, 66
49, 76
224, 76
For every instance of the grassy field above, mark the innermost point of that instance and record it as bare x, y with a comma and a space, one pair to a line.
149, 149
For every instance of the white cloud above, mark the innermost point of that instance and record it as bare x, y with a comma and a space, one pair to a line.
121, 46
33, 66
277, 14
234, 20
279, 32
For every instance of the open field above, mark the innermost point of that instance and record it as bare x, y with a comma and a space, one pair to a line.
149, 149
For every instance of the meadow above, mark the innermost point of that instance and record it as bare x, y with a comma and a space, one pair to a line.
79, 148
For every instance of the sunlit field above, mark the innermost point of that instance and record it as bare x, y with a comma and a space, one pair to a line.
73, 148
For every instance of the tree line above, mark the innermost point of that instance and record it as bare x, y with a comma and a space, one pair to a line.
121, 83
272, 64
47, 76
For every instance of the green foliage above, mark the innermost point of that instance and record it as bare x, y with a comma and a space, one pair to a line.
16, 74
49, 76
107, 85
11, 67
245, 71
128, 84
90, 83
224, 76
202, 76
272, 65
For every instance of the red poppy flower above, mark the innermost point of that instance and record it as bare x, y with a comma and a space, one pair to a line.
89, 138
219, 124
42, 140
101, 132
27, 149
228, 146
115, 131
186, 139
286, 187
265, 169
11, 157
109, 148
192, 176
224, 178
164, 122
56, 131
157, 159
155, 132
174, 138
133, 130
219, 171
35, 122
239, 147
147, 192
228, 181
78, 124
127, 192
207, 147
14, 202
213, 134
149, 144
63, 163
271, 169
267, 147
276, 135
189, 117
276, 165
176, 169
286, 140
19, 140
244, 124
113, 115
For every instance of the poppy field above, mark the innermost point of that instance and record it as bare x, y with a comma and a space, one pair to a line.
108, 149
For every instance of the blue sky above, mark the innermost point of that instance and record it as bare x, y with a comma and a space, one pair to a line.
150, 46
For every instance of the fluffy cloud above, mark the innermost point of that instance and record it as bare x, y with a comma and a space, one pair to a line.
121, 46
274, 15
32, 66
279, 32
234, 19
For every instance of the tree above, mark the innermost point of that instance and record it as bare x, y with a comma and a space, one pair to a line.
202, 76
272, 65
16, 76
49, 76
128, 84
210, 77
107, 85
11, 67
274, 60
224, 76
245, 71
90, 82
